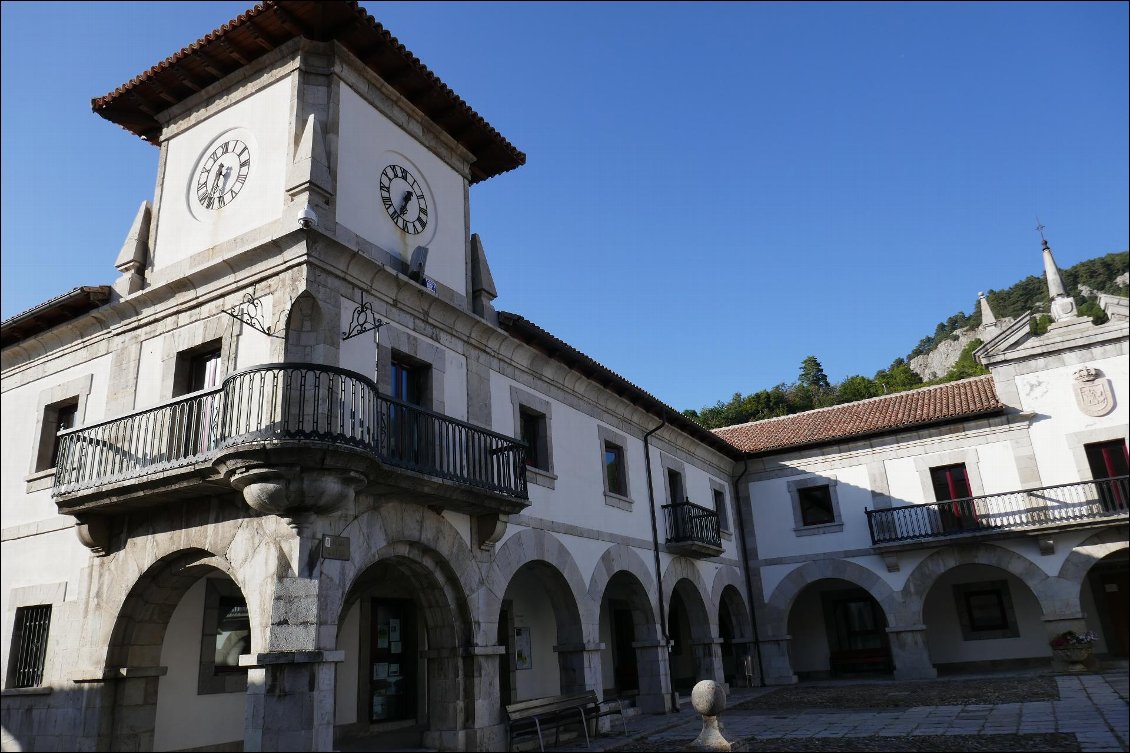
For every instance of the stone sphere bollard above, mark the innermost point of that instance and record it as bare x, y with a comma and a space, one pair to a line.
709, 699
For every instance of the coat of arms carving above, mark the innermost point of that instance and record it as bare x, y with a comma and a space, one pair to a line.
1093, 394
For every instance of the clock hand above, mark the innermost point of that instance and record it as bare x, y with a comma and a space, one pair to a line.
404, 202
216, 182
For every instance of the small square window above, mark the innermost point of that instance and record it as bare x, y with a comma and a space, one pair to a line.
614, 469
985, 610
720, 508
29, 646
816, 507
57, 417
197, 369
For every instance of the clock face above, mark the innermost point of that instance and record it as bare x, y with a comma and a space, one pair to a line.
403, 199
223, 174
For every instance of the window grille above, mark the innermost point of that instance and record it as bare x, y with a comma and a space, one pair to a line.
32, 624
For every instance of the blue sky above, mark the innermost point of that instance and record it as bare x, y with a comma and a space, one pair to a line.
712, 192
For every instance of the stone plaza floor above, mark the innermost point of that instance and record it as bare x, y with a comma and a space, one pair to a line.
1090, 714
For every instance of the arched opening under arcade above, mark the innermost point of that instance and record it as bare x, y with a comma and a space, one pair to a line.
627, 629
403, 623
1105, 599
175, 651
539, 623
688, 628
735, 632
838, 629
978, 613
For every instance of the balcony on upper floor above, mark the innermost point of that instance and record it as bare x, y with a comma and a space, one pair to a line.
1083, 504
693, 529
302, 418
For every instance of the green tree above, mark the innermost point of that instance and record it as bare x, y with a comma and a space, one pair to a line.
812, 375
966, 364
857, 388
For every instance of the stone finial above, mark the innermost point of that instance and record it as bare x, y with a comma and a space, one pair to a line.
135, 252
482, 282
709, 699
310, 168
987, 316
1062, 305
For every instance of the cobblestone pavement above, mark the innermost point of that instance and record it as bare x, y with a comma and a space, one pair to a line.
1091, 711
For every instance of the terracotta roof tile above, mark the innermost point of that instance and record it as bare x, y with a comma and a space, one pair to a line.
944, 402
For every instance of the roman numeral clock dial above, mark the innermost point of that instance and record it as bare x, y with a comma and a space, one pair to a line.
223, 174
403, 199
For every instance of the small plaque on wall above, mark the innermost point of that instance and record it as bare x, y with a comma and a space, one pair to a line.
335, 547
522, 645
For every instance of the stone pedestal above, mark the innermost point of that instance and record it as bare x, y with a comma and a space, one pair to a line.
775, 661
910, 654
290, 700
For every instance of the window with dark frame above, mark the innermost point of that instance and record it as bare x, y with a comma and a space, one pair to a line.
1108, 460
675, 487
532, 428
951, 484
614, 469
720, 508
29, 646
197, 368
65, 418
986, 610
816, 507
233, 634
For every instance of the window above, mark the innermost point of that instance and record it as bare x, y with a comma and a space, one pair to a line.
951, 484
675, 492
1108, 460
225, 636
29, 646
614, 475
816, 505
57, 417
409, 381
533, 424
720, 506
197, 369
985, 610
409, 437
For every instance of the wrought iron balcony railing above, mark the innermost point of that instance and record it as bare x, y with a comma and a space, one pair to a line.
1047, 506
692, 524
290, 402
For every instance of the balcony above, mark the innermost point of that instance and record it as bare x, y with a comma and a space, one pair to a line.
1065, 506
692, 529
305, 415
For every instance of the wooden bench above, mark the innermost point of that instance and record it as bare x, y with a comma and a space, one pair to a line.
529, 719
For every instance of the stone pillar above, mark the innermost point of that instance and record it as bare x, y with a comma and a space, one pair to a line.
655, 676
775, 661
580, 667
472, 719
910, 653
290, 700
708, 660
745, 663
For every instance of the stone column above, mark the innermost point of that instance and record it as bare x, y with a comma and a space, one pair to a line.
290, 700
654, 670
708, 660
580, 667
910, 653
473, 719
745, 663
776, 662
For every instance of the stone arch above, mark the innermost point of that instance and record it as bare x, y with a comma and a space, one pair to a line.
134, 649
306, 337
1092, 549
530, 545
620, 558
728, 588
395, 522
1048, 590
682, 576
778, 605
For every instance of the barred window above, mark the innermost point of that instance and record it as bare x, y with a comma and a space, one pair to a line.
29, 645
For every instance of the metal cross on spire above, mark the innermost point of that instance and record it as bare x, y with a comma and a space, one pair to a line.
1040, 230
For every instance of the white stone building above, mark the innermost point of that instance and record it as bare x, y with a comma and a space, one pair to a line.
239, 515
287, 532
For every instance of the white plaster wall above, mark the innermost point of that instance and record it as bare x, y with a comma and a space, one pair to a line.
774, 522
943, 628
532, 608
55, 557
20, 408
1050, 394
254, 347
373, 142
997, 464
185, 719
263, 119
345, 678
149, 365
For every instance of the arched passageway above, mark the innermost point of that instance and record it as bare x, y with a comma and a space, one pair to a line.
627, 628
176, 645
735, 633
838, 629
539, 623
1105, 598
688, 627
403, 623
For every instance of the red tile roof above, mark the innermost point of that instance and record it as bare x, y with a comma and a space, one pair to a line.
269, 25
929, 405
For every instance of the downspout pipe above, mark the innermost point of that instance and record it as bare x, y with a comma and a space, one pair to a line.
745, 570
655, 545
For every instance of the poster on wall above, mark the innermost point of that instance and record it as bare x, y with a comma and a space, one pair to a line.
382, 636
394, 630
380, 671
523, 656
